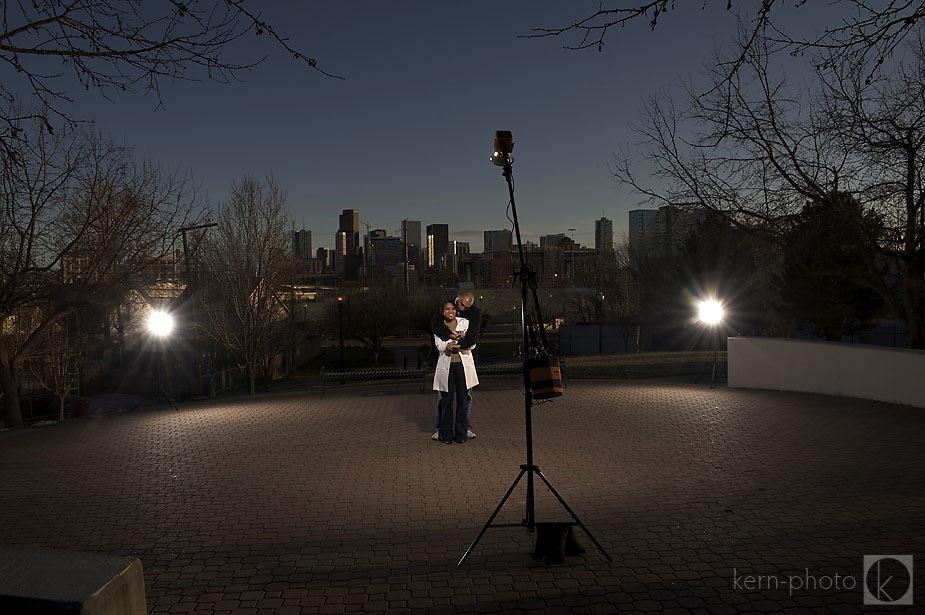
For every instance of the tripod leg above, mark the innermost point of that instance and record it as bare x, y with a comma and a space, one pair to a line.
168, 398
574, 516
492, 517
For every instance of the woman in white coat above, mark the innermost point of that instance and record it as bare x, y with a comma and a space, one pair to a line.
454, 376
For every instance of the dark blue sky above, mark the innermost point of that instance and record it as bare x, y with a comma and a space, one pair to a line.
408, 132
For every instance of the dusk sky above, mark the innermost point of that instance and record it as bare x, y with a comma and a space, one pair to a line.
408, 132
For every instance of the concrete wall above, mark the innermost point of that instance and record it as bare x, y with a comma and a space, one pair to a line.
37, 581
851, 370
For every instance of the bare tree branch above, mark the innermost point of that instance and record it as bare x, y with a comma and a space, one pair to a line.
870, 31
115, 46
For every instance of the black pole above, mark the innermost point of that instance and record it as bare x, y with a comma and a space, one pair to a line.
158, 362
715, 351
340, 317
530, 513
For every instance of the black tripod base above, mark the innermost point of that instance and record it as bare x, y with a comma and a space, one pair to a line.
529, 522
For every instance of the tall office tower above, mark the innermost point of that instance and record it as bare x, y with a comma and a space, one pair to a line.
339, 255
458, 257
350, 224
603, 235
642, 230
553, 241
438, 244
369, 244
353, 255
661, 231
302, 244
324, 256
385, 251
498, 241
411, 236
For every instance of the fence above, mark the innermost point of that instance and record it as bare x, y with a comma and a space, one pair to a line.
425, 376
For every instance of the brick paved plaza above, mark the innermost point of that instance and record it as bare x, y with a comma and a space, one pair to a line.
708, 500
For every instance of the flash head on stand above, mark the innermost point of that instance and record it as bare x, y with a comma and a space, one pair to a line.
504, 145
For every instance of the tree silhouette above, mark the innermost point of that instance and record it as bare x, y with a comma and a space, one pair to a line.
116, 46
756, 150
824, 268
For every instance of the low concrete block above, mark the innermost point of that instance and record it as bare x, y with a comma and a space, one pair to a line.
45, 581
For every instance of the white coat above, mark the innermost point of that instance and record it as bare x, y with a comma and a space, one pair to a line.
442, 373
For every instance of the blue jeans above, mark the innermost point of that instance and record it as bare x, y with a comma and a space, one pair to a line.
454, 426
440, 396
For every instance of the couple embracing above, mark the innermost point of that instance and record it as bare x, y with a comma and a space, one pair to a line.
455, 331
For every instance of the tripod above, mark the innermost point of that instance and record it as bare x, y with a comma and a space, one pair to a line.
535, 332
161, 390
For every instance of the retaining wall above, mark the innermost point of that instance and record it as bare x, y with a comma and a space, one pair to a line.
852, 370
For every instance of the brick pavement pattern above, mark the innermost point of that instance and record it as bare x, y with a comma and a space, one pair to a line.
708, 500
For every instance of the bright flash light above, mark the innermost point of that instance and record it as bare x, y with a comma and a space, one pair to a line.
160, 323
711, 312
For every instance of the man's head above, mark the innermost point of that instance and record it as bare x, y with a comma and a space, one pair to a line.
464, 300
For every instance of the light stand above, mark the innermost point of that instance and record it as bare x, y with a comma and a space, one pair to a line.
535, 332
161, 324
340, 319
711, 313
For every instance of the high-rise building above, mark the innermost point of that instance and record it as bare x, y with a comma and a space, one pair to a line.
411, 236
459, 254
603, 235
497, 241
438, 244
385, 251
339, 255
325, 257
350, 224
659, 232
549, 242
642, 230
302, 244
352, 254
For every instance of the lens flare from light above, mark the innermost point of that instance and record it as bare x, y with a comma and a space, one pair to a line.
711, 312
160, 323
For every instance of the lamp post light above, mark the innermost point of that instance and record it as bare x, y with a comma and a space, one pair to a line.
710, 313
340, 319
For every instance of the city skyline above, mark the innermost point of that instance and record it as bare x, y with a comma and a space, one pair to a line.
603, 227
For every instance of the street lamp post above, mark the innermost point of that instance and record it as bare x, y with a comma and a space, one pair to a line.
340, 318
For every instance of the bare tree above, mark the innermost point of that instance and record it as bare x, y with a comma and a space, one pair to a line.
82, 223
861, 31
249, 261
607, 290
116, 46
757, 150
55, 364
370, 316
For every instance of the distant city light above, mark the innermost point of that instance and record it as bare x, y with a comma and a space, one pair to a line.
711, 312
160, 323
